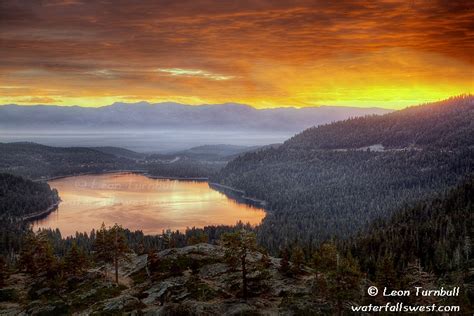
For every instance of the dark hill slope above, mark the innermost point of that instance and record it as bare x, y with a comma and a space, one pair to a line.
445, 124
120, 152
316, 192
35, 161
21, 198
437, 231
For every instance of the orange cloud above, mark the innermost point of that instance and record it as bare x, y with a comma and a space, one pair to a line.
266, 53
39, 100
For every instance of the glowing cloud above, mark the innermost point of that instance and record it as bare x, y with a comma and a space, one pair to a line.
267, 53
194, 73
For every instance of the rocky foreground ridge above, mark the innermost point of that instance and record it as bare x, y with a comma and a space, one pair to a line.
194, 280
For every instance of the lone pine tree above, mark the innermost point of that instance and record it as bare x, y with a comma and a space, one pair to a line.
239, 245
111, 246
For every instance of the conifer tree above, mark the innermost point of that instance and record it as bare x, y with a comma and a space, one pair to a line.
341, 277
285, 262
111, 246
102, 248
75, 260
326, 258
3, 271
166, 239
385, 274
200, 237
27, 254
153, 263
297, 258
36, 256
238, 246
416, 276
120, 249
45, 259
265, 262
343, 283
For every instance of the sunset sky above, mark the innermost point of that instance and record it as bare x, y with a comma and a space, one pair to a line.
264, 53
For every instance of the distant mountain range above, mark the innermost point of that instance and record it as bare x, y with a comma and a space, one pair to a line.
143, 115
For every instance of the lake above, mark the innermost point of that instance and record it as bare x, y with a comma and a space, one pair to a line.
140, 203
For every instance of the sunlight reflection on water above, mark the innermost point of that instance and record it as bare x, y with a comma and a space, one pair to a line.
140, 203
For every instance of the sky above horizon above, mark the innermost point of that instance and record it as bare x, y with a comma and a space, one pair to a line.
263, 53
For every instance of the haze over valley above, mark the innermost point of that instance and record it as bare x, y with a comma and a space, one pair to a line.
163, 127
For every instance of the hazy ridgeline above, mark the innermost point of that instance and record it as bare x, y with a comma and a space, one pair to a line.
163, 127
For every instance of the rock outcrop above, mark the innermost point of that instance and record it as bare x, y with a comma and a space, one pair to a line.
194, 280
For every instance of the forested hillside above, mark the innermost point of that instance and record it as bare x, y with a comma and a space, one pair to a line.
438, 232
215, 152
445, 124
19, 198
316, 192
35, 161
121, 152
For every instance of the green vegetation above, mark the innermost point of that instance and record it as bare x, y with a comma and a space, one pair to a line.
184, 168
340, 279
436, 232
110, 246
326, 282
393, 192
20, 198
36, 161
316, 193
446, 124
239, 245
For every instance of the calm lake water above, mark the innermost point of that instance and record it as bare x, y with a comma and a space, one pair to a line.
140, 203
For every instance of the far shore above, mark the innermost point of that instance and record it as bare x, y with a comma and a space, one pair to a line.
143, 172
204, 179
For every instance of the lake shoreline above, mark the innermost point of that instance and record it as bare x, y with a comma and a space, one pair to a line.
241, 195
232, 194
143, 172
41, 214
214, 185
202, 179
